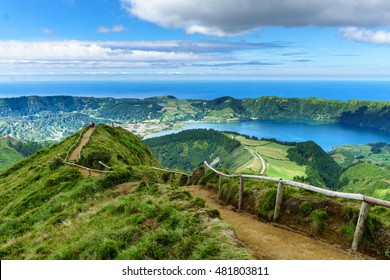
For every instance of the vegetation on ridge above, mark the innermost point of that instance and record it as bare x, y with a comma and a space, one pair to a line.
188, 149
52, 211
8, 155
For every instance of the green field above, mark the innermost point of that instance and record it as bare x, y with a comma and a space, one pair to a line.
275, 156
348, 154
367, 179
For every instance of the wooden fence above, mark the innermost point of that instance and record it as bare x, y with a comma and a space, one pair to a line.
367, 201
173, 172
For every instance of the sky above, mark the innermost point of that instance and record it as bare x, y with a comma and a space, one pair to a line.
194, 39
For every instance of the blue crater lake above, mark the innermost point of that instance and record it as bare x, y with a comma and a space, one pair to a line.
325, 134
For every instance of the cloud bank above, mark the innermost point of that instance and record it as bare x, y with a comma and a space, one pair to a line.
232, 17
84, 50
366, 36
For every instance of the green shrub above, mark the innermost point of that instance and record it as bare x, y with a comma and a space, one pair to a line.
115, 178
266, 203
209, 251
305, 208
318, 220
200, 202
348, 231
107, 251
56, 163
92, 159
63, 175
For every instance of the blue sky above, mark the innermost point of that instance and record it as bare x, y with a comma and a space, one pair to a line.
194, 39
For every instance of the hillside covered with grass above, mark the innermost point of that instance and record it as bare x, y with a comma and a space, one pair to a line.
367, 179
52, 211
8, 155
188, 149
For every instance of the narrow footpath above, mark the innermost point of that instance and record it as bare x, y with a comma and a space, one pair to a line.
76, 152
75, 155
269, 242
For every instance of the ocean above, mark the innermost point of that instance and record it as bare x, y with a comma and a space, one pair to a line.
339, 90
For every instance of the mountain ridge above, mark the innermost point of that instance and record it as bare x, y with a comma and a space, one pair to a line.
54, 117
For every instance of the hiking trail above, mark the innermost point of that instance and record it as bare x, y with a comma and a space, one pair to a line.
75, 155
269, 242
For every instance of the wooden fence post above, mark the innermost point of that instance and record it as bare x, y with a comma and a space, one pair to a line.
206, 169
89, 172
241, 195
170, 176
279, 200
219, 186
364, 210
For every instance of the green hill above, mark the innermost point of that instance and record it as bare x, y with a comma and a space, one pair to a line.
368, 179
8, 155
190, 148
117, 148
322, 169
376, 153
52, 211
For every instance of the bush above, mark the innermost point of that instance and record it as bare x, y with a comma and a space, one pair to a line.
115, 178
56, 163
92, 159
266, 204
318, 220
107, 251
305, 208
200, 202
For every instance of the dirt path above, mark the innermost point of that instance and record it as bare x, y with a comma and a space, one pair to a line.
270, 242
75, 154
259, 157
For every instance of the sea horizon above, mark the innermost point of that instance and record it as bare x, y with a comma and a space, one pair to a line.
343, 90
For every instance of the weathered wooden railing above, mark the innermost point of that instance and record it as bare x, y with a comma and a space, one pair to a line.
367, 201
87, 168
171, 172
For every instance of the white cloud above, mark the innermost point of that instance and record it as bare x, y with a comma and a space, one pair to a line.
47, 31
366, 35
90, 54
232, 17
114, 29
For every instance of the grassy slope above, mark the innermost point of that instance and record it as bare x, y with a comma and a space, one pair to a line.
124, 147
8, 155
189, 149
275, 156
368, 179
348, 154
51, 211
